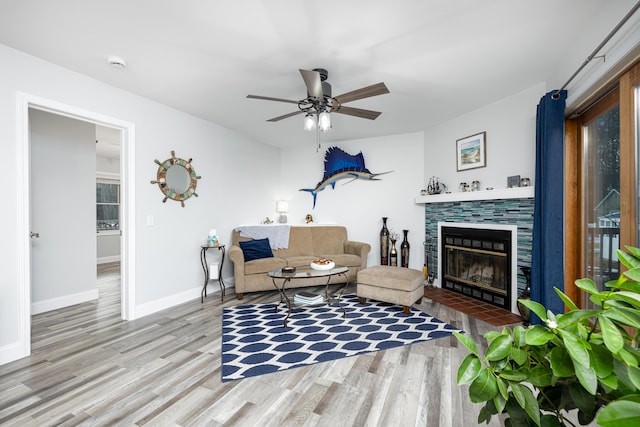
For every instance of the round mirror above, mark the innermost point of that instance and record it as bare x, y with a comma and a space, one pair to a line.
177, 179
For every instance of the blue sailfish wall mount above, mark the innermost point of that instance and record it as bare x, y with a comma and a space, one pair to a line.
340, 165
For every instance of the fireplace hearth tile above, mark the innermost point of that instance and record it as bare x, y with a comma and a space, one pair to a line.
486, 312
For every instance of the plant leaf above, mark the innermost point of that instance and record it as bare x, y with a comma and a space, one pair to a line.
620, 413
576, 348
503, 389
511, 375
635, 252
611, 335
575, 316
628, 357
467, 342
540, 376
587, 378
622, 374
610, 381
581, 397
631, 397
626, 316
596, 300
631, 259
499, 402
626, 296
484, 416
518, 355
538, 335
561, 363
469, 369
484, 387
634, 376
632, 285
517, 414
518, 336
527, 401
499, 348
536, 307
549, 420
601, 360
492, 335
588, 286
567, 301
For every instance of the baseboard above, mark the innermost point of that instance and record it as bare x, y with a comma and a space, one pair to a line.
11, 352
108, 259
160, 304
63, 301
180, 298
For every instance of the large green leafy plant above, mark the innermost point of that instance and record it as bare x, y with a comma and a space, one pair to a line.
584, 362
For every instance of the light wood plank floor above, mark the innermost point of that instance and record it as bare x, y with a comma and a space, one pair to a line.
88, 367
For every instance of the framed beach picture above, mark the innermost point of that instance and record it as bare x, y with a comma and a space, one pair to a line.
471, 152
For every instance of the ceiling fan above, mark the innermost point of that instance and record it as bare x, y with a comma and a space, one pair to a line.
319, 101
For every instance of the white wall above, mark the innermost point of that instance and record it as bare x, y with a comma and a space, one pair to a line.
107, 165
238, 178
510, 125
360, 205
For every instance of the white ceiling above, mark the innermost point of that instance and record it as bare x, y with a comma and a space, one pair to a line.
439, 58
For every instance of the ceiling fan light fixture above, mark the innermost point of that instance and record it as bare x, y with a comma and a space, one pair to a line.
324, 121
309, 122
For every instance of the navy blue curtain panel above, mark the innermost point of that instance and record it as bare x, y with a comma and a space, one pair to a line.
547, 258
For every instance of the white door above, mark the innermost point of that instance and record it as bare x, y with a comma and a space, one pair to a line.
63, 256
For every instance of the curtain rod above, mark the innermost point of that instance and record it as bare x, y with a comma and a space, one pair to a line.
556, 94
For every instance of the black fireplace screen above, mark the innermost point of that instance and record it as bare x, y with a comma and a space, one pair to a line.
476, 263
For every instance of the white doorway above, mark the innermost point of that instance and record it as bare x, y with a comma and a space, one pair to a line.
25, 103
62, 194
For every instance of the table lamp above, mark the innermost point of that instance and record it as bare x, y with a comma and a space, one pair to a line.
282, 207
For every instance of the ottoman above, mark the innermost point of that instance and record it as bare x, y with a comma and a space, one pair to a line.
396, 285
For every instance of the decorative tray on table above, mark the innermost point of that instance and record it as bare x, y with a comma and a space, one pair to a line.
322, 264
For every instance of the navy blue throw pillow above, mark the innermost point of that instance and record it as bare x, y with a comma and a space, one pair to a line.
256, 249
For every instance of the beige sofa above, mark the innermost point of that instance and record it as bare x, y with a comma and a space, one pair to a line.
306, 243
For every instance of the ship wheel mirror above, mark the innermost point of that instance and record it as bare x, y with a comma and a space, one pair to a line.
177, 179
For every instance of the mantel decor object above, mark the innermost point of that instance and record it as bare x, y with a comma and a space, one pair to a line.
435, 186
404, 250
393, 252
513, 181
471, 152
384, 243
177, 179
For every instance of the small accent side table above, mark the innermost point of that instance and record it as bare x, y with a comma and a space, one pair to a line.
205, 268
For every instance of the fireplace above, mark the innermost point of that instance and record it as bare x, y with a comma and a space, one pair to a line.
479, 261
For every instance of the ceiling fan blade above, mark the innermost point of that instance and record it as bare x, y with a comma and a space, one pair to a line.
268, 98
357, 112
365, 92
276, 119
313, 83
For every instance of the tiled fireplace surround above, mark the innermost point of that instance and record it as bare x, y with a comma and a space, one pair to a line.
511, 211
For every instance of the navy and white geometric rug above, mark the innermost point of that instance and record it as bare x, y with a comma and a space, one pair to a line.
254, 342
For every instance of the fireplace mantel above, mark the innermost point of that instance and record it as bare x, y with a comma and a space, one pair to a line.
502, 193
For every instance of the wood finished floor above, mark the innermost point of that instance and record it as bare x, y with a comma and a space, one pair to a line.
90, 368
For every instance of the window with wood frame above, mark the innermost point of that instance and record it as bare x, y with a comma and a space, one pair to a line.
601, 166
